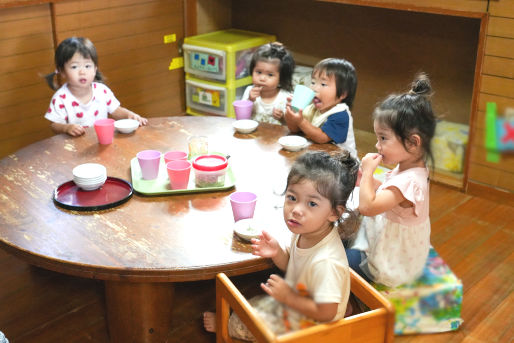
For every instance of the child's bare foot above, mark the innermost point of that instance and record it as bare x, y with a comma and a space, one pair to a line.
209, 321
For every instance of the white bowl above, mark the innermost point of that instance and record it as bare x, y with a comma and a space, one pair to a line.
88, 171
293, 143
245, 125
126, 125
247, 229
88, 186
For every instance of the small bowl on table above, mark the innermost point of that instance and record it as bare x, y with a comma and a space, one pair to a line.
126, 125
245, 125
247, 229
293, 143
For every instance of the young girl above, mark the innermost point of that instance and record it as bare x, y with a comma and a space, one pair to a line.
81, 100
272, 69
317, 280
328, 118
393, 242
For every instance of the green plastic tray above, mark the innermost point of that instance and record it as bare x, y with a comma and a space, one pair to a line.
161, 185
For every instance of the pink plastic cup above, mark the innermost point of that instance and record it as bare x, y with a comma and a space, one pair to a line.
243, 204
174, 155
104, 130
243, 109
178, 172
149, 162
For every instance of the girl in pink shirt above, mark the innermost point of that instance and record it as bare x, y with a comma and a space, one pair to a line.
394, 238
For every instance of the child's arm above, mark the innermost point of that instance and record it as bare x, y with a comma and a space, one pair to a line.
74, 130
122, 113
280, 290
267, 246
370, 202
315, 134
296, 122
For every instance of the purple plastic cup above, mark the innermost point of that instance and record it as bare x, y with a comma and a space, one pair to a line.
149, 162
243, 109
178, 172
243, 204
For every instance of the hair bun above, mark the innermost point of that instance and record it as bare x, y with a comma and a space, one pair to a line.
421, 85
347, 160
278, 49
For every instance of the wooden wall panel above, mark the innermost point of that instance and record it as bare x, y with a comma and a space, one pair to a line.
497, 85
501, 103
213, 15
26, 53
499, 66
129, 37
499, 46
426, 5
69, 7
502, 8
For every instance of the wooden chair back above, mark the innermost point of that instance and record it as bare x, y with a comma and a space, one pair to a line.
375, 325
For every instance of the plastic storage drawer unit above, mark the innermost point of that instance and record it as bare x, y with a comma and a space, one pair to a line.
207, 97
222, 55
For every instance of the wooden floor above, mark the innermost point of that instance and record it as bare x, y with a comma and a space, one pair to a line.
474, 236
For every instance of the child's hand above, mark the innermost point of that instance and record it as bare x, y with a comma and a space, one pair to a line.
277, 287
370, 162
142, 121
75, 130
255, 92
292, 116
265, 246
277, 113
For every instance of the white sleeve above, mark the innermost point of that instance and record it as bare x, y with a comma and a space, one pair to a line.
246, 94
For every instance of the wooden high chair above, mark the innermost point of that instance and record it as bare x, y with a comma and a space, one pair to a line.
375, 325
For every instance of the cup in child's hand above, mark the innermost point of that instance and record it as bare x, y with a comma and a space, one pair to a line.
243, 204
104, 130
174, 155
149, 161
178, 173
243, 109
302, 97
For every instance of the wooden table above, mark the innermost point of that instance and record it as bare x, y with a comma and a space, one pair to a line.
141, 247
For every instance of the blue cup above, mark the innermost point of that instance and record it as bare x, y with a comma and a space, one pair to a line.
302, 97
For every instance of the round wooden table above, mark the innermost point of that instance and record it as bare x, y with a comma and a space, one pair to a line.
144, 245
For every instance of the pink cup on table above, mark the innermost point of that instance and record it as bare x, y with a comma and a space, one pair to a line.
104, 130
149, 161
178, 172
174, 155
243, 204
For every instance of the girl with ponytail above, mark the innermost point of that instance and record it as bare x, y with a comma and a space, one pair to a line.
394, 238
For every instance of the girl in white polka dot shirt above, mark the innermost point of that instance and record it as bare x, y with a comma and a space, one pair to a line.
392, 245
83, 98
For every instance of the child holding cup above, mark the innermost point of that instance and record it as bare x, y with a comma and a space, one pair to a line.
83, 99
328, 118
272, 68
316, 286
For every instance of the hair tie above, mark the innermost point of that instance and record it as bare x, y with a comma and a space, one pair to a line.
56, 71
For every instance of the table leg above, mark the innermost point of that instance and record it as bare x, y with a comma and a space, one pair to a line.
138, 311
